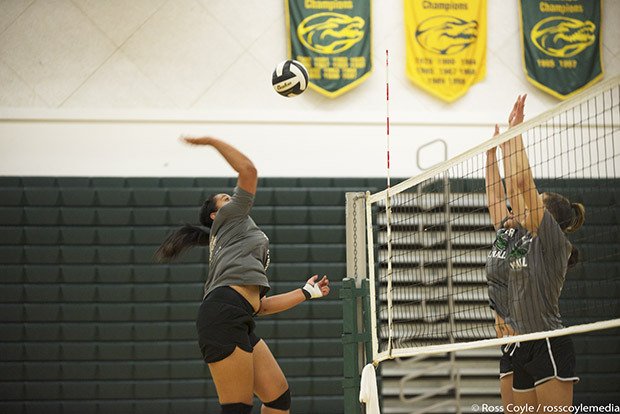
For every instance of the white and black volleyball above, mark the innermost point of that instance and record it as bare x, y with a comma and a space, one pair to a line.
290, 78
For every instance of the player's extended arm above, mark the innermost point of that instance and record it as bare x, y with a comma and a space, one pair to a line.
280, 303
522, 192
248, 176
496, 195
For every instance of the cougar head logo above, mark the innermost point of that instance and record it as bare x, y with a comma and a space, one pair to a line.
446, 35
563, 37
330, 33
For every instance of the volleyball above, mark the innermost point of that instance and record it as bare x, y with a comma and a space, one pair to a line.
290, 78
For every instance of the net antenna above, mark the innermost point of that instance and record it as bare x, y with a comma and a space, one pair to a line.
429, 236
388, 197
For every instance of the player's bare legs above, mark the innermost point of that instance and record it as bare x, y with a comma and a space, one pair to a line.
234, 378
269, 381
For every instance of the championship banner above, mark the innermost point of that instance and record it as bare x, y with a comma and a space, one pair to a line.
331, 38
446, 45
561, 44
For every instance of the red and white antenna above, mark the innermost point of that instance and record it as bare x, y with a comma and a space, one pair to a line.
388, 204
387, 111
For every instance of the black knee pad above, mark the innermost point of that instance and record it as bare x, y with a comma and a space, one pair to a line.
283, 402
236, 408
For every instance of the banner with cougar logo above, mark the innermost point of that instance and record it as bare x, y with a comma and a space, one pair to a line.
446, 45
331, 38
561, 44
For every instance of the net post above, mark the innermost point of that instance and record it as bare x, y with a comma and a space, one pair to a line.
356, 236
372, 281
355, 342
355, 336
367, 318
350, 351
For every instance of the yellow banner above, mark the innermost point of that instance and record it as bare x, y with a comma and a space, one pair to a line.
446, 45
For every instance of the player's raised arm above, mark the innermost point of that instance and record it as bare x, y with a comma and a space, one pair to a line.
248, 176
496, 195
527, 204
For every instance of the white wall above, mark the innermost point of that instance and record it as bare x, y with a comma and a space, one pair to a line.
104, 87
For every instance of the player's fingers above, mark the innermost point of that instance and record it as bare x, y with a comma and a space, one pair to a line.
515, 107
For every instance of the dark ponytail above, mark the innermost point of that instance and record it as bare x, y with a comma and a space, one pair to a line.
188, 235
180, 241
578, 219
570, 216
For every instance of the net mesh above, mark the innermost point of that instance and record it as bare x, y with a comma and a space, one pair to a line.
430, 277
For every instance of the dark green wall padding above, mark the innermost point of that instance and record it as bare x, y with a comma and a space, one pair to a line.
90, 324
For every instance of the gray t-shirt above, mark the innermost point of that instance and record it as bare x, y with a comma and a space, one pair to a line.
537, 270
498, 269
238, 249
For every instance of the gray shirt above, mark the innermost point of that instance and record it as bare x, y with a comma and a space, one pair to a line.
498, 269
537, 270
238, 249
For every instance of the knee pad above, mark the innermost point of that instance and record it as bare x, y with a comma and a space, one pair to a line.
236, 408
283, 402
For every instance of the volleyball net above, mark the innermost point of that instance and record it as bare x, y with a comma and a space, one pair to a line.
428, 237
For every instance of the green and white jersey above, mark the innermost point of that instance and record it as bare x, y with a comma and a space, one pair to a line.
238, 249
537, 270
498, 270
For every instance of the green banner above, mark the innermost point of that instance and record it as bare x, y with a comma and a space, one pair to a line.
561, 44
332, 39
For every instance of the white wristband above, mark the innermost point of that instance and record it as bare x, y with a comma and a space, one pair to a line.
313, 290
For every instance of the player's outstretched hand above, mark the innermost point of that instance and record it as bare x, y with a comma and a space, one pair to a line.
314, 289
517, 114
491, 152
196, 140
324, 285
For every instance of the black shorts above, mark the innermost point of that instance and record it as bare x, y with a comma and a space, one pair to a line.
225, 321
536, 362
505, 362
